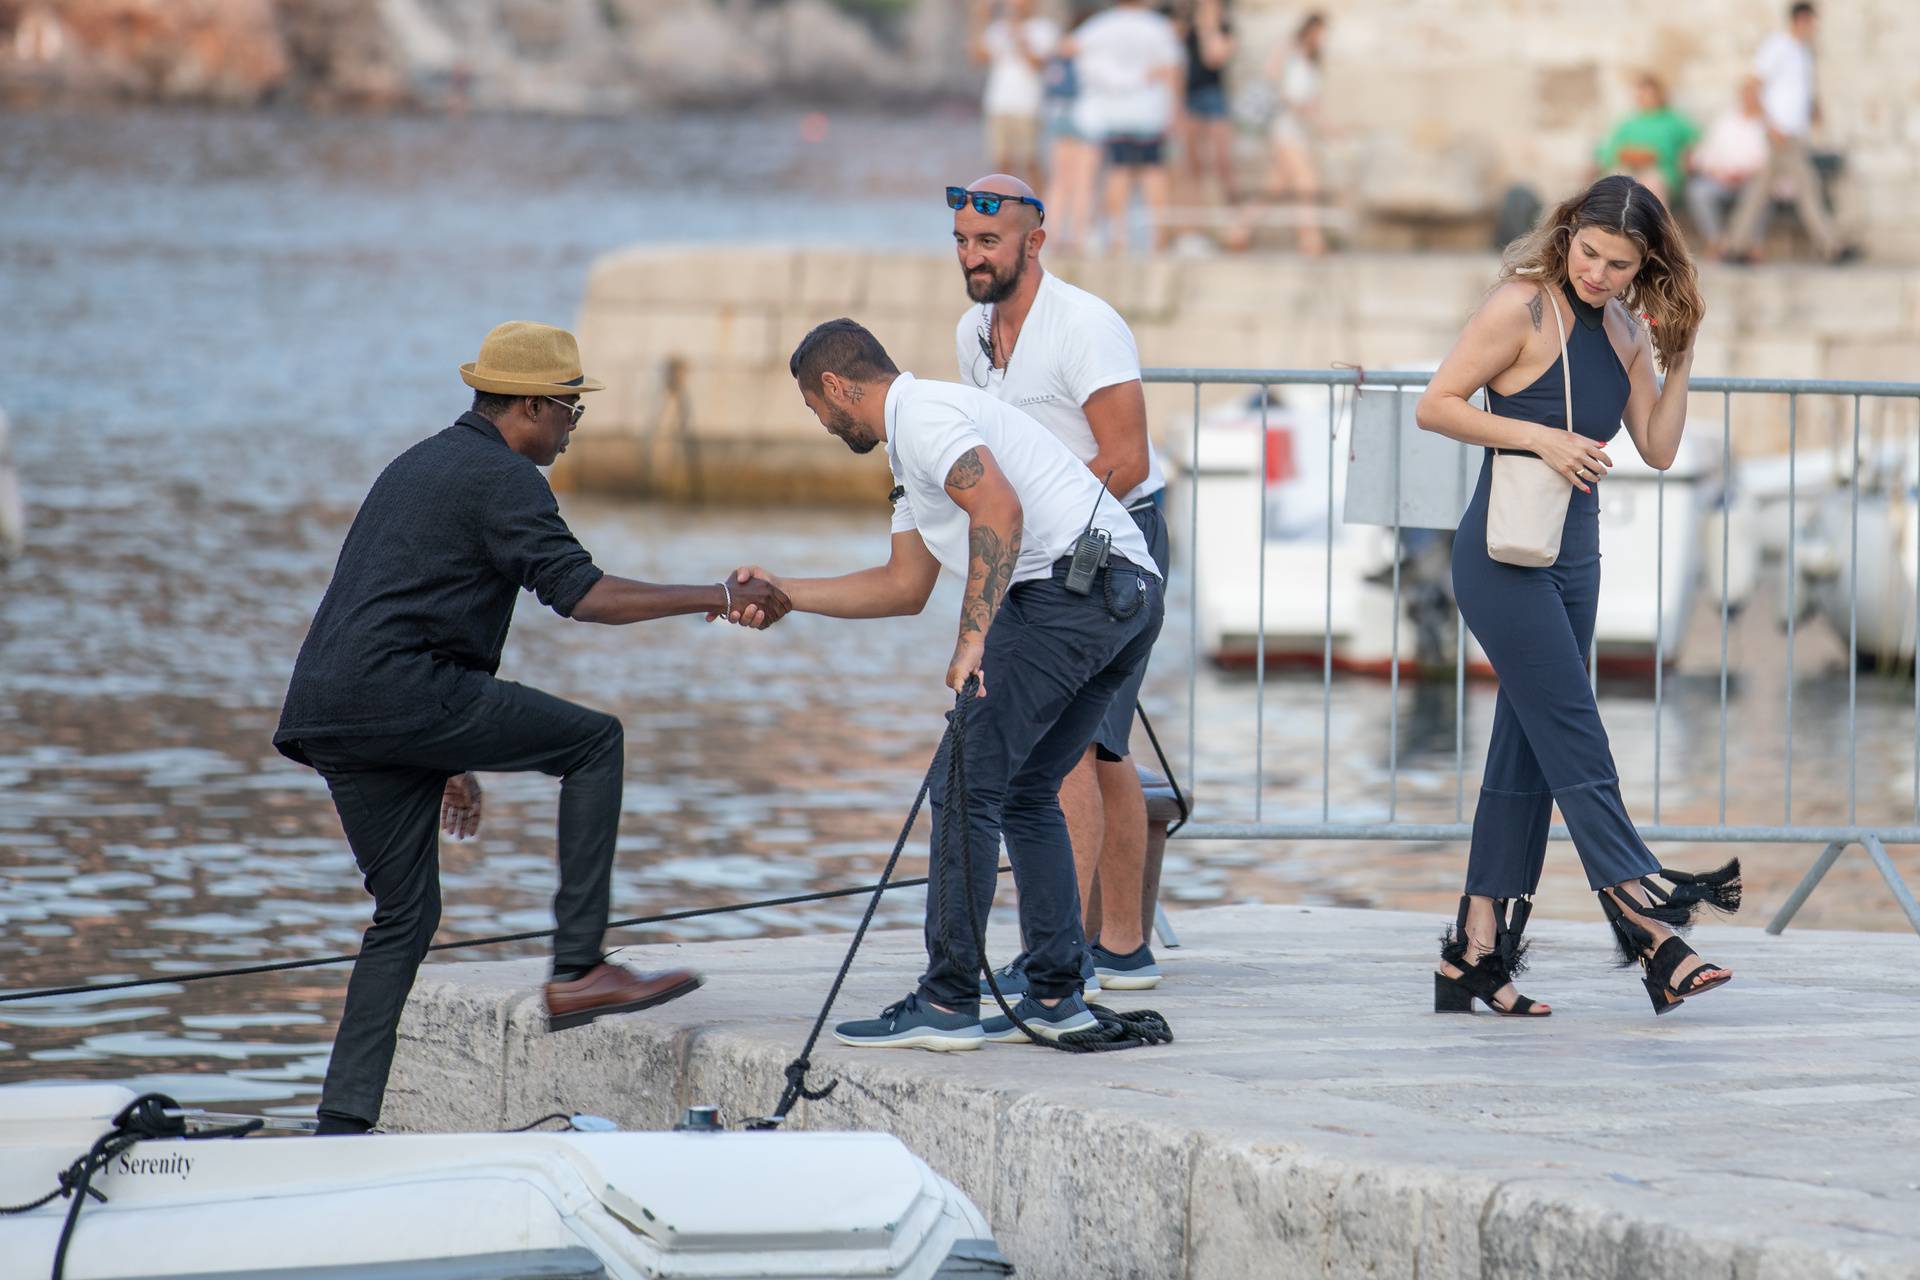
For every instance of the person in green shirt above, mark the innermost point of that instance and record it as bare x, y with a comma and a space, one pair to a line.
1651, 144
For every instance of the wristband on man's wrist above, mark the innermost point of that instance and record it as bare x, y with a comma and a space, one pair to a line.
728, 591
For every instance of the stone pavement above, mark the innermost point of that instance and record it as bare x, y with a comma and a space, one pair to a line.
1314, 1118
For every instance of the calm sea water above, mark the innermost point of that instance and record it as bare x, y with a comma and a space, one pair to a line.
221, 327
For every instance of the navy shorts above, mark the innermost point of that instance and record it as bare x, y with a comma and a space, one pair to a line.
1111, 741
1136, 153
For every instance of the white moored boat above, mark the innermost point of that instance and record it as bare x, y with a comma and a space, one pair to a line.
500, 1206
1641, 614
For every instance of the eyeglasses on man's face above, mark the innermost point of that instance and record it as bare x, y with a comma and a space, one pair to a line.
574, 410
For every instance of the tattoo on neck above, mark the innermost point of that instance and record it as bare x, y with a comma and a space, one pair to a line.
856, 392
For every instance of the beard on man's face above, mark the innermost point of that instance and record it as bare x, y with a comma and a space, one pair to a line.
988, 285
849, 431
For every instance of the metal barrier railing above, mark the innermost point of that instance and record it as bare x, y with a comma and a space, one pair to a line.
1836, 837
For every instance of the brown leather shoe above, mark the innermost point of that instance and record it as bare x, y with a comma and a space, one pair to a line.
613, 988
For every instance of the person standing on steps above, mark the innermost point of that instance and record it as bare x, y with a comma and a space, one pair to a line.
1067, 360
1602, 259
986, 493
394, 701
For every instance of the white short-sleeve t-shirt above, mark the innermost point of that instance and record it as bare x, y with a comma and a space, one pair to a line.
931, 425
1013, 83
1071, 345
1118, 54
1785, 69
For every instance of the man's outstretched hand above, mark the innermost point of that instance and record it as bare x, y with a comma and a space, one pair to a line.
758, 598
460, 806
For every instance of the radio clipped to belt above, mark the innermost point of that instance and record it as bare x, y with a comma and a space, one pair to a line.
1092, 551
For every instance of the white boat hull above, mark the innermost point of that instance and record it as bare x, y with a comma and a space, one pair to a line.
657, 1205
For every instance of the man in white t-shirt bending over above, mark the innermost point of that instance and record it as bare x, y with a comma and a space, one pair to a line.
985, 493
1068, 360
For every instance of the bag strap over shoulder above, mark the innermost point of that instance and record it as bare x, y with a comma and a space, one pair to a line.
1566, 365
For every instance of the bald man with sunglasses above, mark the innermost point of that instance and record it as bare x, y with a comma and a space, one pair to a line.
1067, 360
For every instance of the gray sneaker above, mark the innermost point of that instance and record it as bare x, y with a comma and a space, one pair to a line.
1012, 978
1070, 1015
913, 1023
1134, 971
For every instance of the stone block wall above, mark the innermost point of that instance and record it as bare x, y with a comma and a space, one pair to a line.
728, 424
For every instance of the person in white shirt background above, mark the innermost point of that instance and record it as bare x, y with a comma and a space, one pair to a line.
1131, 67
1066, 358
1294, 69
1732, 153
1784, 66
1013, 43
986, 493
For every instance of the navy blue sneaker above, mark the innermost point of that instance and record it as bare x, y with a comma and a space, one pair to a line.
1012, 978
913, 1023
1134, 971
1071, 1014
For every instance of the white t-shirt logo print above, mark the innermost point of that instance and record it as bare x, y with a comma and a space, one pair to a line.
1072, 345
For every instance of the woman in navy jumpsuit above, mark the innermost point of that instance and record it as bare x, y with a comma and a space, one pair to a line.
1601, 257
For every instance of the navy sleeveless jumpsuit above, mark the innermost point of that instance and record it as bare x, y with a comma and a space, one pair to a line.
1536, 626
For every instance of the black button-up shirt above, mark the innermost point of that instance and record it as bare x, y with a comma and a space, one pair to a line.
418, 609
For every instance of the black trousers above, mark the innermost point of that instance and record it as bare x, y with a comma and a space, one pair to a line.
388, 793
1054, 661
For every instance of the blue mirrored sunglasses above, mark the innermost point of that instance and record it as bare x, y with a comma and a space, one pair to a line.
989, 202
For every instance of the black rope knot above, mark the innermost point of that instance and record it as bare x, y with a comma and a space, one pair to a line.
797, 1080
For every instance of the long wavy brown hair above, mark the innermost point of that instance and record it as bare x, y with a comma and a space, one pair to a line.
1666, 289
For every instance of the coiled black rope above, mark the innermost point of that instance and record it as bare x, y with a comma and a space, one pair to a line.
151, 1115
1116, 1030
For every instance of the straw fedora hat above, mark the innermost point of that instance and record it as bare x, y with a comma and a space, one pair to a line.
520, 358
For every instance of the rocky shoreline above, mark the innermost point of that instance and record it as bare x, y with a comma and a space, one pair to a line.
562, 56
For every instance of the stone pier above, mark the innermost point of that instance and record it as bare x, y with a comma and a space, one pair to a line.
693, 343
1313, 1118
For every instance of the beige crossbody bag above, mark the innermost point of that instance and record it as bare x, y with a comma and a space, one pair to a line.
1527, 504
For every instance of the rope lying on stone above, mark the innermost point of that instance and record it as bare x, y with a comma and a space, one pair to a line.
1115, 1031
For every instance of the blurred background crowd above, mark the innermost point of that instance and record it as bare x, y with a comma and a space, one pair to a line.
1201, 125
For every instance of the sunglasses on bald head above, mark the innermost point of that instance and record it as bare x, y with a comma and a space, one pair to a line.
988, 202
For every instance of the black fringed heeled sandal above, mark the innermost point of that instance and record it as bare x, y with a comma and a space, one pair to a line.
1481, 979
1676, 908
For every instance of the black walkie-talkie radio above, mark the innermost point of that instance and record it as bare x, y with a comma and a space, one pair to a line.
1089, 550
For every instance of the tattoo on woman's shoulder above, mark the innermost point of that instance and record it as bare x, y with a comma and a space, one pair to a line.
1535, 310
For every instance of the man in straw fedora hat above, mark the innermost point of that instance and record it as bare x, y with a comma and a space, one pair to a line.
394, 701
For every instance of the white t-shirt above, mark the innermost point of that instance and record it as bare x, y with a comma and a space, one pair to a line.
1785, 68
1734, 148
1013, 83
1072, 345
930, 425
1120, 50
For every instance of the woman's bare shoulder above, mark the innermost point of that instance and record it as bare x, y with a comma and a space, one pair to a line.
1515, 304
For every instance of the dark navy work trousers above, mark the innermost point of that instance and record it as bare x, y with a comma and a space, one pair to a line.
1054, 661
1548, 745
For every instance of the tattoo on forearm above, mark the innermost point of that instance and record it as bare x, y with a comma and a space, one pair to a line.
1536, 310
967, 470
990, 570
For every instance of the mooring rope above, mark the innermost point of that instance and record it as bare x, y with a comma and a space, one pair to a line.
952, 855
278, 966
